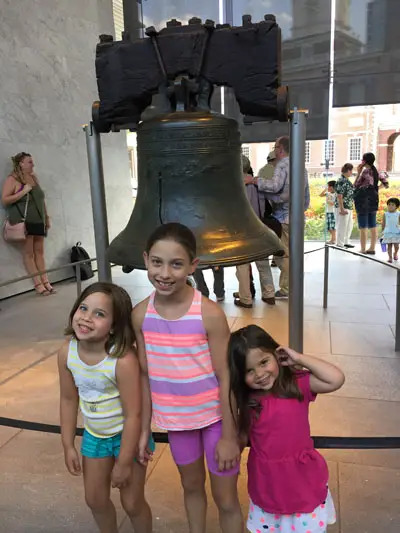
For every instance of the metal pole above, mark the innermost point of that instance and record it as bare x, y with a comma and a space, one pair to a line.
78, 281
99, 208
296, 232
397, 337
133, 25
228, 12
326, 276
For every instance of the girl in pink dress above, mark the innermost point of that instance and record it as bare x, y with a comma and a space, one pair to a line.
287, 477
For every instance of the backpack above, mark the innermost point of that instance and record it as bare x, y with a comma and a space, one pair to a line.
269, 220
78, 253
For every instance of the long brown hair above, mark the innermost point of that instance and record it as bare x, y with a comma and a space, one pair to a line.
122, 336
240, 342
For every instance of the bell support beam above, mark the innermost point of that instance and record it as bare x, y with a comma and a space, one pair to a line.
132, 20
296, 228
98, 195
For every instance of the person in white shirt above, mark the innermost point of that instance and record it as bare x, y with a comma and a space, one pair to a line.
330, 195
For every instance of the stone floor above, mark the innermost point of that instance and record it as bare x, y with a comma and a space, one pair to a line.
355, 332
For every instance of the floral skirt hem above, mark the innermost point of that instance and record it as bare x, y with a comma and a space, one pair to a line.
260, 521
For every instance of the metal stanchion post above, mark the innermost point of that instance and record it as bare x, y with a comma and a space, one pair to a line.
326, 277
296, 225
78, 281
98, 200
397, 337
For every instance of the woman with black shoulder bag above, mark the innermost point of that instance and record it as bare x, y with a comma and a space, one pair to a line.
27, 218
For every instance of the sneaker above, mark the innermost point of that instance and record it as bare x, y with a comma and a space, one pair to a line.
220, 298
279, 295
269, 301
239, 303
349, 246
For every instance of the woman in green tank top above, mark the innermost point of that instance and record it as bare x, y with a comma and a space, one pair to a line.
22, 192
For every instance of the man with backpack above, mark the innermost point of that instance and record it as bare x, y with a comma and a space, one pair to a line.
277, 193
244, 297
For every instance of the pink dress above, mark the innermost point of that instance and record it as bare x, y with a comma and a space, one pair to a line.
287, 477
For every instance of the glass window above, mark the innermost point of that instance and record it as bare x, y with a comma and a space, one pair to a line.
157, 12
355, 149
308, 153
367, 48
305, 26
329, 151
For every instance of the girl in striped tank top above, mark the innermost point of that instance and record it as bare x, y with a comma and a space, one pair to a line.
182, 339
99, 370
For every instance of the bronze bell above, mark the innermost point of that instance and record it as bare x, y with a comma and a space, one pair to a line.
190, 171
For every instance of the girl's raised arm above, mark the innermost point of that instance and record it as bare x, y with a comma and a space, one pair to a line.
216, 325
324, 377
69, 402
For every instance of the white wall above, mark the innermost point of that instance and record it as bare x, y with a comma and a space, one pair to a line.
48, 84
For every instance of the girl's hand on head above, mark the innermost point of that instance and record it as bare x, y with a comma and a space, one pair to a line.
287, 356
72, 461
121, 475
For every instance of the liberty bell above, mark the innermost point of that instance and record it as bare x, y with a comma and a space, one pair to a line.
189, 158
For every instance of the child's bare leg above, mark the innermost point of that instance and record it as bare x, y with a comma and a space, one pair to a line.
193, 478
224, 491
134, 502
396, 252
390, 252
333, 236
97, 480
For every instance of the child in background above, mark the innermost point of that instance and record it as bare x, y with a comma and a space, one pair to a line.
391, 228
99, 370
182, 339
330, 195
287, 477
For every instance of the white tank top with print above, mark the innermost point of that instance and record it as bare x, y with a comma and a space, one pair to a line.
99, 397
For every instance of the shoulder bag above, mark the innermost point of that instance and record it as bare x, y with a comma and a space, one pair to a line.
16, 232
36, 228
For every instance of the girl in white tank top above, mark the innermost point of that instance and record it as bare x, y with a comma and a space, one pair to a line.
99, 371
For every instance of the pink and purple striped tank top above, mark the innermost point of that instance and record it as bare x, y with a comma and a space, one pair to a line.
184, 387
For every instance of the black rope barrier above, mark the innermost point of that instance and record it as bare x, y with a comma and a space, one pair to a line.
321, 442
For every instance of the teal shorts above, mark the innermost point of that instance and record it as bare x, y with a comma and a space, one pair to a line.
96, 447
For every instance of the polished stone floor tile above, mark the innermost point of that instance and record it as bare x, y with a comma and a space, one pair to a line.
371, 378
368, 340
369, 499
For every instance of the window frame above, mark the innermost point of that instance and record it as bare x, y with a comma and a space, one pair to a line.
357, 159
327, 141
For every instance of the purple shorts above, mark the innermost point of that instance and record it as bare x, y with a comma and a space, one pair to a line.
188, 446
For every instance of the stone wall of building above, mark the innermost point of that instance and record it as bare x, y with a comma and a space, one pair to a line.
48, 84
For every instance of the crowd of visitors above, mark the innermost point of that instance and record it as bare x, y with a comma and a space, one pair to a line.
342, 196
